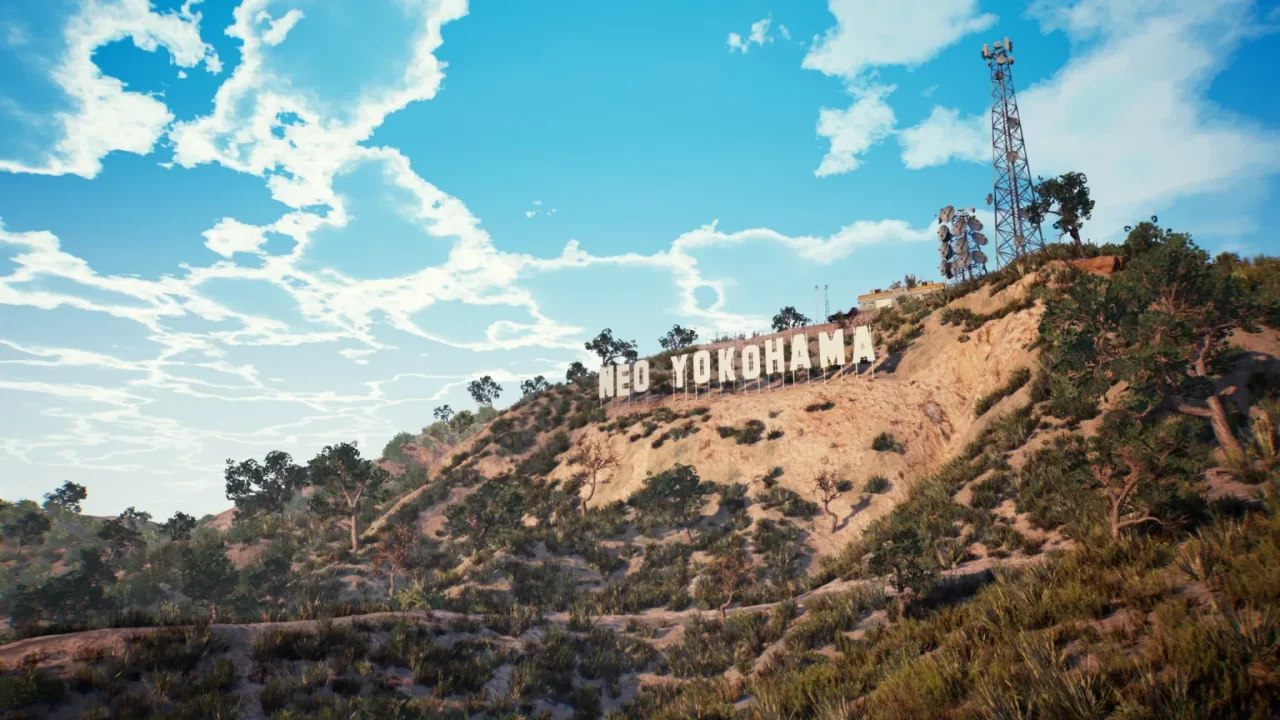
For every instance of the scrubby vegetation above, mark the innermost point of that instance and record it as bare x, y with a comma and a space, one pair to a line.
1134, 501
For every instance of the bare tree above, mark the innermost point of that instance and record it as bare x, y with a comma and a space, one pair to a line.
598, 458
828, 489
729, 572
392, 552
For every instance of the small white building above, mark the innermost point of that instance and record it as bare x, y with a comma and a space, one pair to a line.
885, 298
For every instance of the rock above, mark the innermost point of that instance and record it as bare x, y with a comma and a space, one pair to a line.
1103, 265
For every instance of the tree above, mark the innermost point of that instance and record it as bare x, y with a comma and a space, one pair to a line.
903, 553
576, 372
1067, 198
66, 498
28, 529
728, 573
610, 349
343, 480
443, 414
910, 281
124, 532
484, 391
263, 489
179, 526
1183, 310
598, 461
74, 596
787, 318
460, 422
678, 338
207, 574
392, 552
533, 386
1142, 468
828, 489
672, 498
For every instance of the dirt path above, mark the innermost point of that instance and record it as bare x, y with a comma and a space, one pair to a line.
63, 649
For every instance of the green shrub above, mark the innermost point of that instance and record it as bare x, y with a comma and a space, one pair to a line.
819, 407
1019, 378
777, 497
774, 434
876, 484
885, 442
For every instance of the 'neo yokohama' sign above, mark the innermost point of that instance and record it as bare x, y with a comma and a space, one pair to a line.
768, 358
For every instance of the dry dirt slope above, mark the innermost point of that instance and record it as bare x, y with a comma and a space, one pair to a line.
924, 397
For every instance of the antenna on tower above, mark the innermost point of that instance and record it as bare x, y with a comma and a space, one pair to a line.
1015, 234
959, 231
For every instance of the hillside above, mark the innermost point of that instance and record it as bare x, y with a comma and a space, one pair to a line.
1054, 496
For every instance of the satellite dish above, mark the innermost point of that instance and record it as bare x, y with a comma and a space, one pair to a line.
986, 51
957, 227
944, 233
946, 213
974, 224
972, 210
1000, 60
1010, 59
990, 198
980, 238
945, 269
979, 257
944, 252
1008, 44
998, 45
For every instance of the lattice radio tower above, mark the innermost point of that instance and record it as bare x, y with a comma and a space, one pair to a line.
1015, 235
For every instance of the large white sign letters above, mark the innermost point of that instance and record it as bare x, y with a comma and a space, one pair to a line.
624, 380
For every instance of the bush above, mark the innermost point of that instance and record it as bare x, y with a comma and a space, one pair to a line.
819, 407
791, 504
774, 434
1019, 378
885, 442
876, 484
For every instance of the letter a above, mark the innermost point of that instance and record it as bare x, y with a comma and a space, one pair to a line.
863, 348
800, 352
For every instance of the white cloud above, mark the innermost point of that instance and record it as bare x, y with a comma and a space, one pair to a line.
106, 117
279, 27
784, 32
868, 35
182, 74
855, 130
231, 236
530, 213
929, 91
904, 32
760, 31
943, 135
1128, 109
757, 35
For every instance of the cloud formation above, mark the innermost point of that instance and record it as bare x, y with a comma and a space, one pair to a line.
867, 36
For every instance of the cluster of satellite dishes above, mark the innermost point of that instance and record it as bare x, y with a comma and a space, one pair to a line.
960, 232
1001, 54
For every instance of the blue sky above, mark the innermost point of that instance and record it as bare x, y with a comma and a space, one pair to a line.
228, 228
